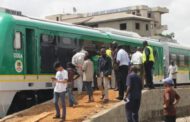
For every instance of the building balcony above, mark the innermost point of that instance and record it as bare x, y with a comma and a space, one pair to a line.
164, 27
162, 10
161, 29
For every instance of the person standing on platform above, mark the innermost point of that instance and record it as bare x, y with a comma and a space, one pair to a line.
148, 62
104, 71
60, 81
123, 62
88, 73
172, 71
133, 95
109, 52
115, 75
171, 99
72, 75
95, 57
111, 82
136, 60
78, 60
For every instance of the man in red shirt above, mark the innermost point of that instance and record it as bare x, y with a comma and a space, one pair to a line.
171, 99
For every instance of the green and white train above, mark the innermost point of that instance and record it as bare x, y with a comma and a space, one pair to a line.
29, 47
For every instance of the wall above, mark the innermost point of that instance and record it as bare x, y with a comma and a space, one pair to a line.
151, 108
130, 26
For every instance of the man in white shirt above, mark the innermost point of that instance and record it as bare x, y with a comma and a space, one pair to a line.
78, 60
123, 62
136, 60
60, 81
137, 57
172, 71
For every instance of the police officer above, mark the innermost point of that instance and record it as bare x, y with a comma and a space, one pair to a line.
148, 61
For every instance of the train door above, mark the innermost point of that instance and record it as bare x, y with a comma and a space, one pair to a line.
47, 52
25, 50
30, 51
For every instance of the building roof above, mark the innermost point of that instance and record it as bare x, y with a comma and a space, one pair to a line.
105, 18
120, 32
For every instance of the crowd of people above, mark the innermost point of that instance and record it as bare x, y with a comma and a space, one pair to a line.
108, 68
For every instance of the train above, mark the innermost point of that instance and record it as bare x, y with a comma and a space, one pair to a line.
29, 47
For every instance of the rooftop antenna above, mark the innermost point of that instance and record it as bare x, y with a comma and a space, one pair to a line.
63, 11
74, 10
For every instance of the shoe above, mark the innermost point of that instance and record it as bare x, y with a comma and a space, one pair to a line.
56, 117
151, 87
63, 119
105, 101
76, 103
92, 99
115, 89
89, 101
119, 98
102, 97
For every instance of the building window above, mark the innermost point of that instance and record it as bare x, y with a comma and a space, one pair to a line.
17, 41
57, 18
123, 26
137, 26
151, 26
133, 13
149, 15
138, 11
147, 27
154, 25
181, 60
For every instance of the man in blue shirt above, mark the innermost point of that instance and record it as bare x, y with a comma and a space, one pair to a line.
133, 95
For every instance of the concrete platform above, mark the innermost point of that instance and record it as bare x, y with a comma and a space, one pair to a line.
184, 119
151, 108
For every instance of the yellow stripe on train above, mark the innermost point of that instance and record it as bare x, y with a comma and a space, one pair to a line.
25, 78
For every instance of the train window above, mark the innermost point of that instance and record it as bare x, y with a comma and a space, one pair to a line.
181, 60
66, 42
187, 60
47, 38
17, 40
173, 57
91, 45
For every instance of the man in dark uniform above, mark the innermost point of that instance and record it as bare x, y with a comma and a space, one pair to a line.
148, 62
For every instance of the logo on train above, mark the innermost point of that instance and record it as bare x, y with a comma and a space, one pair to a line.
18, 66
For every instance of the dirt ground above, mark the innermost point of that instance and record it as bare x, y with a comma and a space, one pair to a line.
46, 111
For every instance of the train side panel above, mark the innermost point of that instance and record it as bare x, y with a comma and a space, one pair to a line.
181, 57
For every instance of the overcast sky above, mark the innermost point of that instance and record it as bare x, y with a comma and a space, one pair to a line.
177, 20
